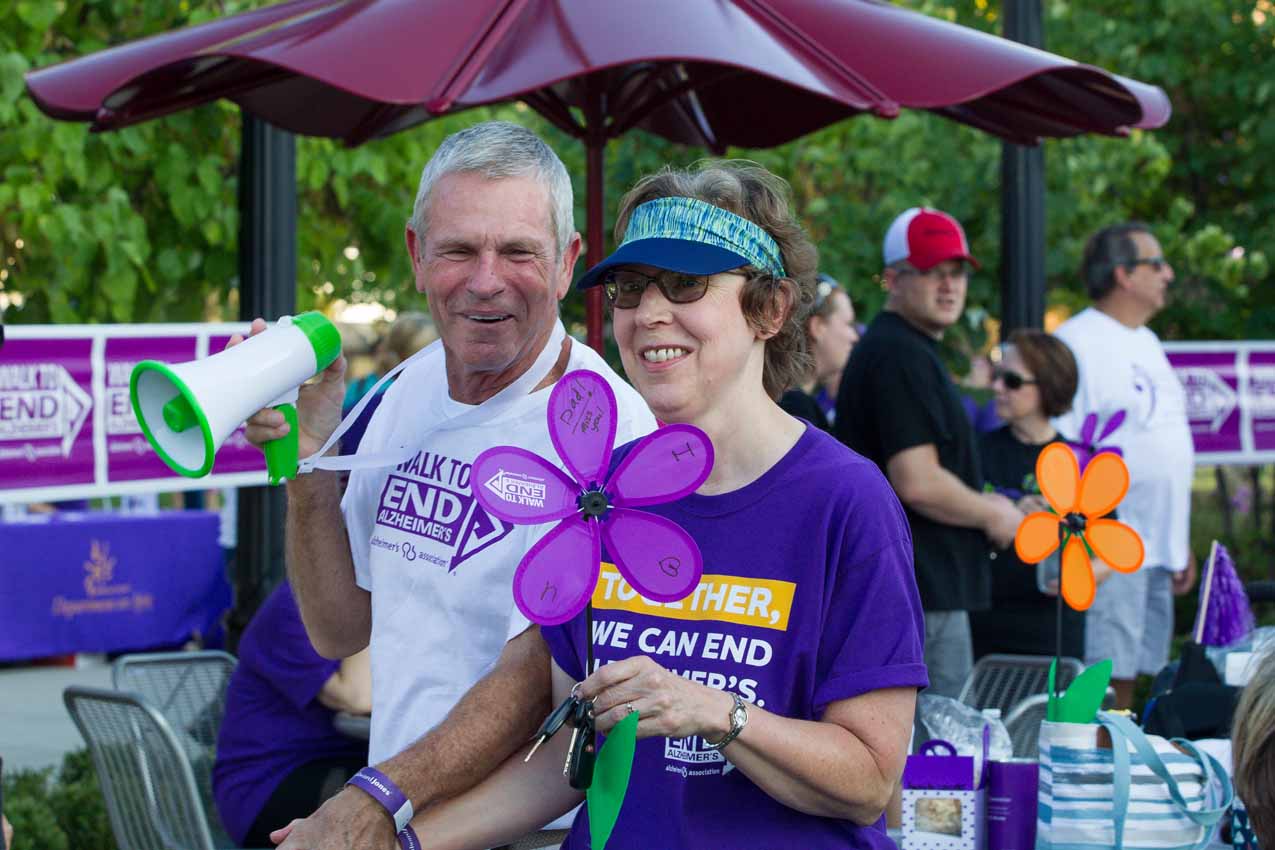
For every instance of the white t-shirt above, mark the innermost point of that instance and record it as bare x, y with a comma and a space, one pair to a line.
440, 569
1126, 369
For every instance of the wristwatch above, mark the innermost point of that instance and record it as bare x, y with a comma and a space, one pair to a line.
738, 717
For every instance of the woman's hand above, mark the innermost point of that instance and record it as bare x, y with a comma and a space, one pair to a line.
668, 705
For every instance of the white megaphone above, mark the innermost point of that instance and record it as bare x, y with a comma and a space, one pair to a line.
187, 410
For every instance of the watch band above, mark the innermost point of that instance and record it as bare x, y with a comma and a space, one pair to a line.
738, 717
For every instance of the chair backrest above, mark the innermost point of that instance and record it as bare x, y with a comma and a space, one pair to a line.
1023, 723
150, 791
189, 690
1002, 681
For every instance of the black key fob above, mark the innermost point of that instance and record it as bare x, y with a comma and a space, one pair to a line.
584, 750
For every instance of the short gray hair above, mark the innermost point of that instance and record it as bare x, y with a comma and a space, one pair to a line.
496, 150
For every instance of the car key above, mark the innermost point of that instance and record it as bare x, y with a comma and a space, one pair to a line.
553, 723
584, 748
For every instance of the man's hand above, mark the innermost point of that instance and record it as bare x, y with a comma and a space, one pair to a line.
318, 407
349, 821
1184, 580
1002, 521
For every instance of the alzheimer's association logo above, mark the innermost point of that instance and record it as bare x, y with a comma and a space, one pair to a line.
100, 571
517, 488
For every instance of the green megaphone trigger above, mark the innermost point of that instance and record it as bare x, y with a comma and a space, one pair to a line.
281, 454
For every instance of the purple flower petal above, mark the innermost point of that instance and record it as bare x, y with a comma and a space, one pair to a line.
555, 579
582, 420
1116, 420
655, 556
665, 465
523, 488
1087, 430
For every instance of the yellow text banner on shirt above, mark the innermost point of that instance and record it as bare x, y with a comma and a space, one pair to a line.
765, 603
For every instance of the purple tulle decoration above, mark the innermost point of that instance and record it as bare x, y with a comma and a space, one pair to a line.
1087, 446
555, 579
1224, 615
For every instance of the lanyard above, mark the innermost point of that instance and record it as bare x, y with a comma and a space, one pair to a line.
485, 412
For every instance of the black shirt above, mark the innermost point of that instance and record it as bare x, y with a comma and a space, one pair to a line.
895, 395
800, 403
1022, 620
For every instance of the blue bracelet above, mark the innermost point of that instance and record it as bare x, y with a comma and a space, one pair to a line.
382, 789
407, 839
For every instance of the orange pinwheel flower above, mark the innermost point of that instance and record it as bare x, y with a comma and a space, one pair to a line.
1075, 523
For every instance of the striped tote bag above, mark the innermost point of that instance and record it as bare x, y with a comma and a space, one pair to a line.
1144, 792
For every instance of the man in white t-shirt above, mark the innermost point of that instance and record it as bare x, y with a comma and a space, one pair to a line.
408, 561
1123, 367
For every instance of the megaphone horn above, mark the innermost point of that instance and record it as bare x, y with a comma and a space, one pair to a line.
188, 410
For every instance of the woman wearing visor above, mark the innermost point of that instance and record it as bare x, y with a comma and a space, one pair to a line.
775, 702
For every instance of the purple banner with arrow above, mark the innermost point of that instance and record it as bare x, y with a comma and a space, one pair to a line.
1230, 396
67, 429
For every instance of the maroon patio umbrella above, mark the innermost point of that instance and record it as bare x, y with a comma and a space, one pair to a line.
752, 73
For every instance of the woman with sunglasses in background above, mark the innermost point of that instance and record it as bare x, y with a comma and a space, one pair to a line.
830, 335
1034, 382
775, 702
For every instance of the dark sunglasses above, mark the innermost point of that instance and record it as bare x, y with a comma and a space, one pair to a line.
1011, 380
1156, 263
624, 288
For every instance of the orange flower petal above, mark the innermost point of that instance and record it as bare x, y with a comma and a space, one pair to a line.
1078, 586
1037, 537
1118, 545
1105, 483
1058, 475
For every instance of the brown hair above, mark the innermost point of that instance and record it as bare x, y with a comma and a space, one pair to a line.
1054, 366
771, 305
1253, 749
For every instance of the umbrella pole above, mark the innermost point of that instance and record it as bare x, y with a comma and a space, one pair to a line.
595, 148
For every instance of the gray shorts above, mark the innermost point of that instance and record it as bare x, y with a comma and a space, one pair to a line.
1131, 622
949, 651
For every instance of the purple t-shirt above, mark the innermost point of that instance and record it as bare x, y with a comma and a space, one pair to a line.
273, 722
808, 597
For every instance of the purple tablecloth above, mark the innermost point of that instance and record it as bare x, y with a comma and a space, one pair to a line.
101, 582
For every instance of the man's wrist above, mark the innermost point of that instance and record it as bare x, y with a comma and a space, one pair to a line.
386, 794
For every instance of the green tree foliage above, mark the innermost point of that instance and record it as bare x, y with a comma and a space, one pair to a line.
141, 224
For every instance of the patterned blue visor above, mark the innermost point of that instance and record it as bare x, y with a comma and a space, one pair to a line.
692, 237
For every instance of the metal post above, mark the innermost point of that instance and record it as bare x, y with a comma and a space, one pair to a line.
1022, 201
267, 288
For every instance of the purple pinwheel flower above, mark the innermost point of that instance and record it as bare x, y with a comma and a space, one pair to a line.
555, 579
1086, 447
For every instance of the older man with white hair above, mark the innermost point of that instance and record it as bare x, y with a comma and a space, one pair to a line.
408, 561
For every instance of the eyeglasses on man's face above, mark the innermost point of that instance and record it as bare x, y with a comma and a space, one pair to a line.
625, 287
1156, 263
1011, 379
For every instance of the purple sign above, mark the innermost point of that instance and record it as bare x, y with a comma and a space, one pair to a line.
1230, 398
46, 413
1261, 398
67, 428
128, 456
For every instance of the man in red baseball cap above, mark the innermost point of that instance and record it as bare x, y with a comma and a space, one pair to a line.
898, 406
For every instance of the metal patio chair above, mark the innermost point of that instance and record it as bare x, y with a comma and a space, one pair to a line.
1003, 681
150, 791
189, 690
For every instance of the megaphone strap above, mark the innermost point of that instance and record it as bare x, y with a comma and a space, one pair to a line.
489, 409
